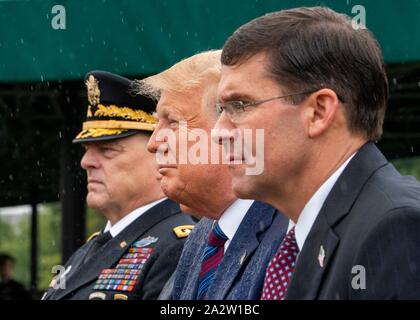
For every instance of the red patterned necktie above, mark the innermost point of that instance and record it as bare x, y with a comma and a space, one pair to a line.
280, 269
213, 255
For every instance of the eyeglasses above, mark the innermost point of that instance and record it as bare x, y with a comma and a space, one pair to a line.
234, 109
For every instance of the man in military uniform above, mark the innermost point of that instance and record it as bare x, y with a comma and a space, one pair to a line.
139, 248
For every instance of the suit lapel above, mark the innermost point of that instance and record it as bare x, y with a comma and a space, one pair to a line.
112, 251
313, 260
321, 243
193, 265
71, 265
244, 243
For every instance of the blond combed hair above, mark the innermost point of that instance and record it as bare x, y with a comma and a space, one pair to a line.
187, 74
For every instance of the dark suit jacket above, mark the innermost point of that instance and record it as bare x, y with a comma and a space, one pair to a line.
158, 222
370, 221
241, 272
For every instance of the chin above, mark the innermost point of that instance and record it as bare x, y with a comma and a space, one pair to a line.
94, 203
243, 187
170, 189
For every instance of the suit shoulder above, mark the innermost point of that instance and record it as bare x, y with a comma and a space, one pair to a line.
390, 188
199, 234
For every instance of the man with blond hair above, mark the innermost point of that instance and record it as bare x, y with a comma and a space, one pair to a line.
227, 253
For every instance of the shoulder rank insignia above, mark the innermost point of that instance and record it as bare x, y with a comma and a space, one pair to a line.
93, 91
183, 231
93, 236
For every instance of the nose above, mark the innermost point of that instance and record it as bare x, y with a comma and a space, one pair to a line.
223, 130
152, 144
89, 160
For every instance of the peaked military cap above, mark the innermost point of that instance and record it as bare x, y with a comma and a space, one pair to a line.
114, 110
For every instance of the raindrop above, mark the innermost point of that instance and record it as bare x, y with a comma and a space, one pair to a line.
11, 177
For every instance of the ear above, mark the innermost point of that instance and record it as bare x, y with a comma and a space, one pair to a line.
322, 107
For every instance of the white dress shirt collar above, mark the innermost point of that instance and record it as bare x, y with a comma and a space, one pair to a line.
232, 217
313, 206
129, 218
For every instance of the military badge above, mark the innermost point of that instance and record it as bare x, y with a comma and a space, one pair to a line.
97, 296
124, 275
145, 242
93, 91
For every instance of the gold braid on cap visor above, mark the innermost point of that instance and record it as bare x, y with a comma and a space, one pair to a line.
137, 119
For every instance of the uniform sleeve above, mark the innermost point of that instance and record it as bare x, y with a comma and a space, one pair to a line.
161, 270
390, 257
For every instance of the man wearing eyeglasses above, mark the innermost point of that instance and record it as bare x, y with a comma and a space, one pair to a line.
318, 89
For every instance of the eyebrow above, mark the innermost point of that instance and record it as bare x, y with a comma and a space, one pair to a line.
235, 96
110, 144
161, 112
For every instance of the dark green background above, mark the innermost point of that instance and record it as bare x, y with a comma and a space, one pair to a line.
135, 37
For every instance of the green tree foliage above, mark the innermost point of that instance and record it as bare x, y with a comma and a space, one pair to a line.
15, 240
408, 166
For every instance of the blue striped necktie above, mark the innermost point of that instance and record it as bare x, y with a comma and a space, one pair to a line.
213, 255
